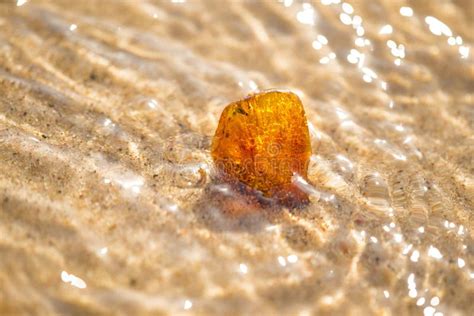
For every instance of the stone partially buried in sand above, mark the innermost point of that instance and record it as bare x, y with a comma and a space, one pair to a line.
263, 142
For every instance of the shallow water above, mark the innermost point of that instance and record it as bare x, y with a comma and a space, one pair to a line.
107, 198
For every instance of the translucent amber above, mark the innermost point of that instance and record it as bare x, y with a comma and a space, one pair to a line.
263, 142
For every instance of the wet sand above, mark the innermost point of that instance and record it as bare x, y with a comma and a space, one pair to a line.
108, 204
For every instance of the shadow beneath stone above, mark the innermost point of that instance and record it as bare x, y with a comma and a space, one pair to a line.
226, 207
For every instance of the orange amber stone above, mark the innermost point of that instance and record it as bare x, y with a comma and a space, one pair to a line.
263, 141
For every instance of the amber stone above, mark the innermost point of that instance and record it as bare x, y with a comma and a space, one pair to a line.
263, 142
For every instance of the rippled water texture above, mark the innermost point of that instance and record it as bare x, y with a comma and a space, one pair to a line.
107, 197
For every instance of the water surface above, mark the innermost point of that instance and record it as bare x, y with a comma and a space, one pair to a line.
107, 200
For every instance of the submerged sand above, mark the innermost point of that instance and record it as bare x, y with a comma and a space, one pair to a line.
107, 201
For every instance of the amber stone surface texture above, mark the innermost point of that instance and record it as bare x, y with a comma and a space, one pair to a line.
263, 142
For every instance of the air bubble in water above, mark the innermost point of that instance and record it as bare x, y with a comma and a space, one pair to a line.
374, 188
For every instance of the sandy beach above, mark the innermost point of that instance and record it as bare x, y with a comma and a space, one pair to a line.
108, 200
